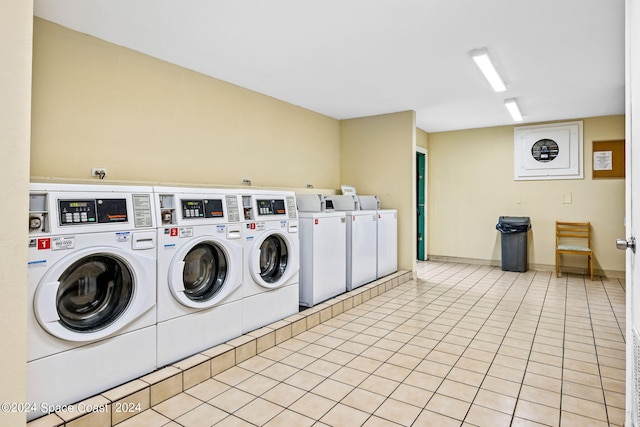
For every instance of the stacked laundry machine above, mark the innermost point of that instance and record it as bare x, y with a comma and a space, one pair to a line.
271, 246
386, 235
360, 238
323, 249
200, 268
372, 237
91, 288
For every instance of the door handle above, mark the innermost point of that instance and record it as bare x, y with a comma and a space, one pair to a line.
624, 244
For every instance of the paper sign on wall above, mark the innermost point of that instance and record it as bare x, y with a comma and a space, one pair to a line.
603, 160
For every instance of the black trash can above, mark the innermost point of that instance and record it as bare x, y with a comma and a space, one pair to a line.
514, 230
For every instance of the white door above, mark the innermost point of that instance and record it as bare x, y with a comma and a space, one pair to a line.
632, 210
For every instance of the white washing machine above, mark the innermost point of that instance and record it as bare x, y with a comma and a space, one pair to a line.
361, 240
271, 258
199, 270
387, 235
91, 277
387, 242
323, 250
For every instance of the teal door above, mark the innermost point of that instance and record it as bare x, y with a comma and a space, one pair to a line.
420, 181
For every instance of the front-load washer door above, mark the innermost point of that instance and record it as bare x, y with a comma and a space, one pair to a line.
91, 294
94, 291
204, 272
273, 260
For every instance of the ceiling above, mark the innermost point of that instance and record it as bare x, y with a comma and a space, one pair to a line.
353, 58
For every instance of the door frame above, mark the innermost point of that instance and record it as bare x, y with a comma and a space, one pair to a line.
424, 151
632, 219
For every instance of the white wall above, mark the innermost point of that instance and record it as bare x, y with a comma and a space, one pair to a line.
16, 17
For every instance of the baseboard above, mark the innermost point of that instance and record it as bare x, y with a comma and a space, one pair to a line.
462, 260
612, 274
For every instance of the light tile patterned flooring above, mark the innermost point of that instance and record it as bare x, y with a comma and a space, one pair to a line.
463, 345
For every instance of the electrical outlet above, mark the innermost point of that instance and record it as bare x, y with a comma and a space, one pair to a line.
99, 172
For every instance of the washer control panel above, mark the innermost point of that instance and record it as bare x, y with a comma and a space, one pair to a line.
77, 211
202, 208
271, 207
103, 211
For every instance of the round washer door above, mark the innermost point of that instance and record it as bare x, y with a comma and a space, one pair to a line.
91, 294
204, 271
274, 259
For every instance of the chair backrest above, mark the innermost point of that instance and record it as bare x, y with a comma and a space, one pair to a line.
578, 233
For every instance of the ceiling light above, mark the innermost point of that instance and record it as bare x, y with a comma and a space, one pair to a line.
481, 56
513, 108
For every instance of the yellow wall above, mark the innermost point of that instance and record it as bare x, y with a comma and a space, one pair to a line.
15, 99
378, 157
471, 184
143, 119
422, 138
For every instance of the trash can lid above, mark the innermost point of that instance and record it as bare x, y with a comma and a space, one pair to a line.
514, 220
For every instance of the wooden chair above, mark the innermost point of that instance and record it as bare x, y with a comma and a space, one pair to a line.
574, 238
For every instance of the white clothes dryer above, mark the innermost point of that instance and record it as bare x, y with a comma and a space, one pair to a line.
199, 270
91, 287
323, 250
271, 258
361, 240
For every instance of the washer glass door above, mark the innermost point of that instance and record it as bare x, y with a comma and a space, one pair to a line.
93, 293
274, 256
205, 271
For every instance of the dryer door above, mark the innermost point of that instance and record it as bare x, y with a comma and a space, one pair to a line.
204, 272
274, 259
91, 294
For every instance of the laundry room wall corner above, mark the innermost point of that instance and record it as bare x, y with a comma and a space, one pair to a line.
378, 158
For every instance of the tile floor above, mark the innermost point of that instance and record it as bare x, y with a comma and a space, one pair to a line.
463, 345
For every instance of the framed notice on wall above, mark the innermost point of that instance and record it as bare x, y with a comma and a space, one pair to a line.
608, 159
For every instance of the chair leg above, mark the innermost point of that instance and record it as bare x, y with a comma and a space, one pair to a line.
557, 262
591, 266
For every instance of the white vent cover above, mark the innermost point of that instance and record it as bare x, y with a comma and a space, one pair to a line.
552, 151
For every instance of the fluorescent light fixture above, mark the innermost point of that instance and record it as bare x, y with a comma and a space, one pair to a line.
481, 56
513, 108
